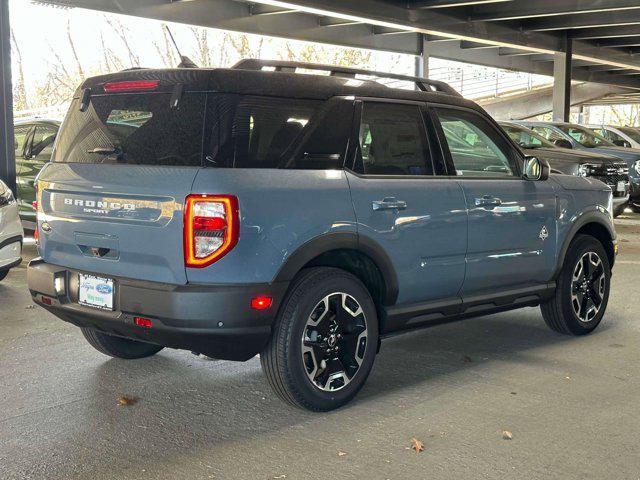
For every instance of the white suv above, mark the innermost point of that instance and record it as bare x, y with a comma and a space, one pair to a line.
11, 234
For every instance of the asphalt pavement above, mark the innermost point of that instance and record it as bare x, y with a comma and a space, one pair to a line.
570, 404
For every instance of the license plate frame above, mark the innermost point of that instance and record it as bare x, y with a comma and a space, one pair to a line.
621, 187
96, 292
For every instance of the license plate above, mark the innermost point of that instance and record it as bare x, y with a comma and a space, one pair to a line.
95, 292
621, 187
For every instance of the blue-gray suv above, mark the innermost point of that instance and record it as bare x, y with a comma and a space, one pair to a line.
257, 209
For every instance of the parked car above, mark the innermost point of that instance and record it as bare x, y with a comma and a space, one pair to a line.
239, 211
570, 135
34, 139
606, 168
628, 137
11, 235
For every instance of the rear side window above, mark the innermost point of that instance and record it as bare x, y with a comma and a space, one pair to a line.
139, 129
265, 130
392, 141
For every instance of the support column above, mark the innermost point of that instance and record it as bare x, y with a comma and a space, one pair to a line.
562, 82
422, 61
7, 152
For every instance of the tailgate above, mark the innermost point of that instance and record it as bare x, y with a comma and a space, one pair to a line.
117, 220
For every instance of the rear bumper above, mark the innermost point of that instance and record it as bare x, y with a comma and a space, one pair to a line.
215, 320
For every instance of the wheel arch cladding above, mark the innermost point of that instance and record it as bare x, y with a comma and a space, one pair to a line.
355, 254
593, 224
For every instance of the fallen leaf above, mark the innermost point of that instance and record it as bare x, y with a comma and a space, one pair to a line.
507, 435
342, 454
417, 445
467, 359
514, 393
29, 307
281, 476
126, 400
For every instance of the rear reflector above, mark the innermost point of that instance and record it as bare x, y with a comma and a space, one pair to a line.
130, 86
211, 228
261, 303
142, 322
47, 300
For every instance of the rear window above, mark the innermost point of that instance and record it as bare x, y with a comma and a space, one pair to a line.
138, 129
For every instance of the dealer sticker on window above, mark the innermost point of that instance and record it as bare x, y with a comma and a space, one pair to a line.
95, 292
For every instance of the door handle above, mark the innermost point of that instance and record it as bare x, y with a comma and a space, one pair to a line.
488, 201
389, 203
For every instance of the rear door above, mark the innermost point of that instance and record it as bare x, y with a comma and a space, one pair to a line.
113, 197
22, 138
418, 218
37, 152
512, 224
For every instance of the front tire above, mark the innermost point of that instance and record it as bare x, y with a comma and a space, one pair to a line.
582, 290
3, 274
324, 340
119, 347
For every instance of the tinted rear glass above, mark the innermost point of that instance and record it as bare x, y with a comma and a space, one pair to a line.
140, 129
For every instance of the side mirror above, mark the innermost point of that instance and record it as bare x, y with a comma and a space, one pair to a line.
536, 169
562, 143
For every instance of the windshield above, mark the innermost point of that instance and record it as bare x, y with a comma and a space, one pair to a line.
526, 138
631, 132
585, 137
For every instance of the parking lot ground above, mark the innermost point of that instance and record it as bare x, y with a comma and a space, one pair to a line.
572, 404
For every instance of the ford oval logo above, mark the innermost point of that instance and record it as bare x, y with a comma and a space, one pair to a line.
104, 288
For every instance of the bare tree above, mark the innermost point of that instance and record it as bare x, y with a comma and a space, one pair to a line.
20, 99
203, 51
122, 32
74, 52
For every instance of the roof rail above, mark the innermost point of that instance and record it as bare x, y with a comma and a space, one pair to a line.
423, 84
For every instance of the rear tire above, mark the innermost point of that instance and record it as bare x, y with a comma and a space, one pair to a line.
118, 347
619, 210
582, 290
324, 340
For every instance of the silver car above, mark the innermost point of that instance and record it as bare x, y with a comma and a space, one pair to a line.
11, 234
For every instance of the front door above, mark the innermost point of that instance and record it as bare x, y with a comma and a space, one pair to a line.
512, 228
419, 219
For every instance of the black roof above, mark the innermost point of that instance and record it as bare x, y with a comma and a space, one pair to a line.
270, 83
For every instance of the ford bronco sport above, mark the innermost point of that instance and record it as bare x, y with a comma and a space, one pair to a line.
261, 209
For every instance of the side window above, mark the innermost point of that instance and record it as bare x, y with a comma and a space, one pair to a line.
476, 148
548, 133
609, 135
392, 141
325, 146
43, 139
20, 134
265, 128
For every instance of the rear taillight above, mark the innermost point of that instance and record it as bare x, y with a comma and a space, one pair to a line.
211, 228
131, 86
